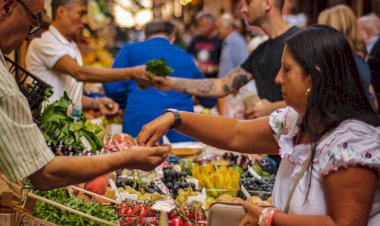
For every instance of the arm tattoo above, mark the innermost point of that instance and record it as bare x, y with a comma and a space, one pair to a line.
213, 87
236, 79
200, 87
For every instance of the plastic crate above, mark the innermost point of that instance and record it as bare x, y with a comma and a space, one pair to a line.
30, 86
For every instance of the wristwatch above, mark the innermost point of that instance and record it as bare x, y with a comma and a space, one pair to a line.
177, 117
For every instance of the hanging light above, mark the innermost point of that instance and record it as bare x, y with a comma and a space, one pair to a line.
123, 18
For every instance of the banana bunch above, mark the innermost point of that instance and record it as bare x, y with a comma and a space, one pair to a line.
217, 180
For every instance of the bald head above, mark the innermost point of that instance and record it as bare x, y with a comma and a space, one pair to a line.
225, 25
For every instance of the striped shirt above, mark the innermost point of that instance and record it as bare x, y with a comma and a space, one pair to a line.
23, 149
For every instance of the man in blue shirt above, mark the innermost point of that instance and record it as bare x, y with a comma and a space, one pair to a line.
142, 106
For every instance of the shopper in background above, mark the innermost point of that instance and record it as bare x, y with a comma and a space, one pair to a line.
143, 105
23, 150
328, 137
369, 26
234, 52
206, 46
342, 18
262, 64
55, 58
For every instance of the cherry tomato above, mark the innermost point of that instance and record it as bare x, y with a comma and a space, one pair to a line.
178, 221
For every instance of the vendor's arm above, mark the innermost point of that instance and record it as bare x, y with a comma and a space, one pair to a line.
248, 136
63, 171
208, 87
68, 65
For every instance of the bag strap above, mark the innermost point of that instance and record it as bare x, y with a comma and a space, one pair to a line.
305, 165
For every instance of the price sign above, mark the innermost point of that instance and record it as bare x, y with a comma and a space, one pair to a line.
162, 186
164, 206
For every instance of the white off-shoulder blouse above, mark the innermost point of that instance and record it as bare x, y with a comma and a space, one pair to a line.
352, 143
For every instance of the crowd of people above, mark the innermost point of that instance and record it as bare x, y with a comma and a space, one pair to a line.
318, 85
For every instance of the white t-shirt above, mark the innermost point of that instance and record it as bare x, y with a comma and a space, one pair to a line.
352, 143
44, 53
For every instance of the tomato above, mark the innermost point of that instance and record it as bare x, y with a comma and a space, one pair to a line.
172, 214
200, 216
189, 213
142, 212
178, 221
127, 221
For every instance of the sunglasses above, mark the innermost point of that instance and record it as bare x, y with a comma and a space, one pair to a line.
36, 25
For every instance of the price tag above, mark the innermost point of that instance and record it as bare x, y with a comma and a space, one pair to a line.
114, 187
125, 195
193, 180
159, 171
164, 206
86, 143
253, 173
162, 186
245, 192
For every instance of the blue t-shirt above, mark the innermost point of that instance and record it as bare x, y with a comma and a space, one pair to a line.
142, 106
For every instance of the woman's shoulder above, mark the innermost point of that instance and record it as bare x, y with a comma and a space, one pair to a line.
284, 121
352, 143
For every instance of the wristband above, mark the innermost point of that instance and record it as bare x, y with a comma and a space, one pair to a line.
177, 117
267, 216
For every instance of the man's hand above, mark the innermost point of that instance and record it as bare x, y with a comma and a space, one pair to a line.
154, 130
163, 83
108, 107
253, 214
142, 76
261, 108
147, 158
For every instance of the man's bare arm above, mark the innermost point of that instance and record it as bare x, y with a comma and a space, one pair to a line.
221, 87
68, 65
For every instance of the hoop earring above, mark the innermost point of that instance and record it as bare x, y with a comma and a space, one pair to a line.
307, 94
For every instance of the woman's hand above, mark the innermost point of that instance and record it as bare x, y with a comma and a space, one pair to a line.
154, 130
253, 214
147, 158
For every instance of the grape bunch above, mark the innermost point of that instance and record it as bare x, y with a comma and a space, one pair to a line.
175, 181
62, 147
137, 184
256, 184
240, 160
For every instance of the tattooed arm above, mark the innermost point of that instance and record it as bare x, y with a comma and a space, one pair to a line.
208, 87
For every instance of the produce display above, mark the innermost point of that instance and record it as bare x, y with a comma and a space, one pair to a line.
217, 180
118, 142
141, 213
176, 181
62, 217
70, 134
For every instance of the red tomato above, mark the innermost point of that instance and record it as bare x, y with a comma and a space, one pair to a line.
172, 214
127, 221
178, 221
142, 212
200, 216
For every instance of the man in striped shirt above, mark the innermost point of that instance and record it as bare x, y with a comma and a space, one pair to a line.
23, 151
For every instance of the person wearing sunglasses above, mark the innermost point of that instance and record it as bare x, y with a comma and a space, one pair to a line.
23, 150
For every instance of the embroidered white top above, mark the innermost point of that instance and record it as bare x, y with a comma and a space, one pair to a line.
352, 143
